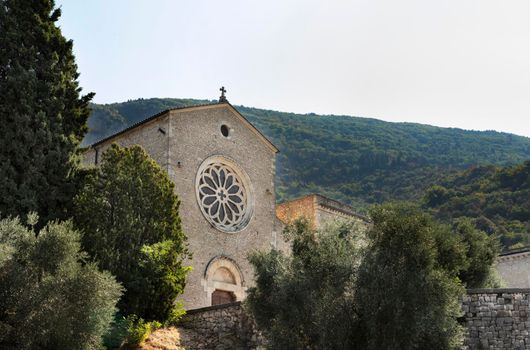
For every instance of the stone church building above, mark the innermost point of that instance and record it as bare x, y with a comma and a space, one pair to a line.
223, 169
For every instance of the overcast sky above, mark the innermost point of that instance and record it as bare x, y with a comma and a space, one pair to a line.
456, 63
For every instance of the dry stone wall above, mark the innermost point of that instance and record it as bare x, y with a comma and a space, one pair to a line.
497, 319
221, 327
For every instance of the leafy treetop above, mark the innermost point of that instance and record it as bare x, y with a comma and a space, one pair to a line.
497, 199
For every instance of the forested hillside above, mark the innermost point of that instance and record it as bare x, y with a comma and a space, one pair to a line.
352, 159
497, 198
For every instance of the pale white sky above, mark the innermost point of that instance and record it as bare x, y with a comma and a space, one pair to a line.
455, 63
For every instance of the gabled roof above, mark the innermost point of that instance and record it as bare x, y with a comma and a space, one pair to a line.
332, 204
240, 116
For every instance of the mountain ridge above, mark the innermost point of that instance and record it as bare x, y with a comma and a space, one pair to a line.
353, 159
194, 101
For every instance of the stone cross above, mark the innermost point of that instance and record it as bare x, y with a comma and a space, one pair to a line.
223, 97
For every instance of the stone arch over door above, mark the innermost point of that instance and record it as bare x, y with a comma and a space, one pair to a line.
223, 281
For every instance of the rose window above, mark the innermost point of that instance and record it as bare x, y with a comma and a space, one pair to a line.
223, 194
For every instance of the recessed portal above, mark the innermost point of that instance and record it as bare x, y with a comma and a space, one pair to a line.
223, 282
220, 297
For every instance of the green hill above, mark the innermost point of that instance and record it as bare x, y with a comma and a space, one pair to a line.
497, 198
351, 159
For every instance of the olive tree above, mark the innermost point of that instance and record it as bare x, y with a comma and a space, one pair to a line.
306, 300
50, 296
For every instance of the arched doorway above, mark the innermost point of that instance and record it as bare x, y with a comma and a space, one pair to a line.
223, 281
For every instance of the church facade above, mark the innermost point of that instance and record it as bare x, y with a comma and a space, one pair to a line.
223, 170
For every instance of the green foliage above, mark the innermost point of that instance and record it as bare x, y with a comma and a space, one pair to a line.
305, 301
50, 297
128, 212
355, 160
117, 332
138, 330
108, 119
176, 314
395, 286
497, 199
481, 250
163, 262
408, 290
494, 279
130, 331
43, 115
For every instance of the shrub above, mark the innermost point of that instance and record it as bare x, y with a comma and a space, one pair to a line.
138, 330
50, 296
396, 286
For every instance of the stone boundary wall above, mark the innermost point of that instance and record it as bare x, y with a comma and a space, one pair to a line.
220, 327
497, 318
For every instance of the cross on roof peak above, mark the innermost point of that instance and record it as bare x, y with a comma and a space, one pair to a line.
222, 98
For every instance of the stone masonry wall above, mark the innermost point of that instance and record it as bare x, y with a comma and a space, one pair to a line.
497, 319
221, 327
147, 135
294, 209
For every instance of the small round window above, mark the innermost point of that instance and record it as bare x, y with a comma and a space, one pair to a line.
225, 130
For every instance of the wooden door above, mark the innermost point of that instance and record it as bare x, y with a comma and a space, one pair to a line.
222, 297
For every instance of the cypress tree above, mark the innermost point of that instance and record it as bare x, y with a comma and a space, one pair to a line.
43, 115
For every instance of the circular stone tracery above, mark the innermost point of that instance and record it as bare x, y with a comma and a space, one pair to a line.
223, 194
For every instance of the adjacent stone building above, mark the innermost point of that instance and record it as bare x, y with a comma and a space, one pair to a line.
514, 267
318, 209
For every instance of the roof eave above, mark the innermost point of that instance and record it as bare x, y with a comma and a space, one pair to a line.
164, 112
253, 128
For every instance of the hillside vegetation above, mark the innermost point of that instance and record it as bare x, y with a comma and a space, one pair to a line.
355, 160
498, 198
